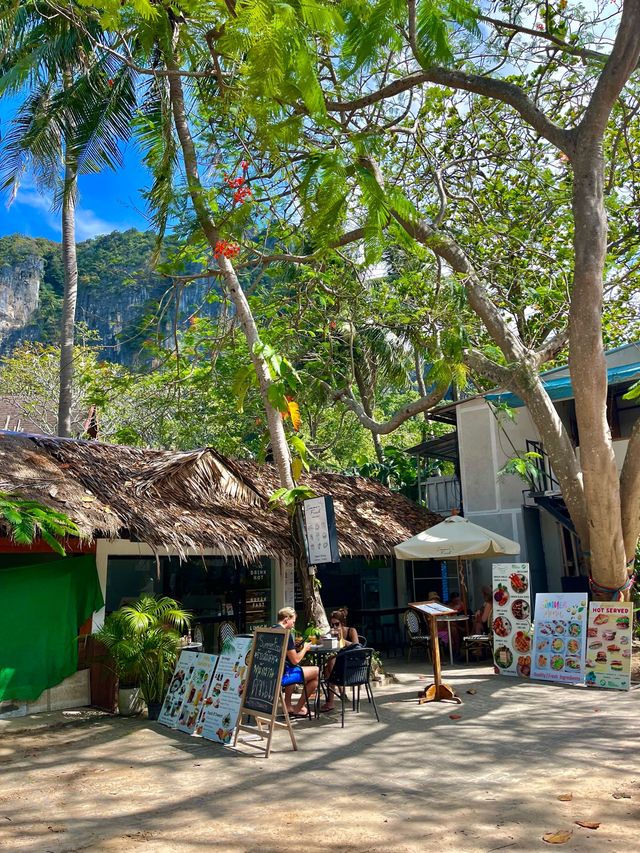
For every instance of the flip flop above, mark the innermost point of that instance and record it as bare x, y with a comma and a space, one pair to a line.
325, 710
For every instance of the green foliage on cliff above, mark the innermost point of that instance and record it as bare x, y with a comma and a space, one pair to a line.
108, 263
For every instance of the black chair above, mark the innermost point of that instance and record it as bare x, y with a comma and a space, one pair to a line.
415, 634
362, 640
352, 669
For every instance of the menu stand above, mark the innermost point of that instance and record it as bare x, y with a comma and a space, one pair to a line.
438, 691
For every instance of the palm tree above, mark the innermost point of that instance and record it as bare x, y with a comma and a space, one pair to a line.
76, 108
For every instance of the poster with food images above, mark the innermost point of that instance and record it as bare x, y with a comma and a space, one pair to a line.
219, 713
196, 691
170, 711
559, 637
511, 619
608, 662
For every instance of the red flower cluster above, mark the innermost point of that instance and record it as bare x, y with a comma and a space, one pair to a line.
225, 249
234, 183
241, 195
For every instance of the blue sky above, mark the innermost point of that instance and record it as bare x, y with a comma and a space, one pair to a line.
108, 201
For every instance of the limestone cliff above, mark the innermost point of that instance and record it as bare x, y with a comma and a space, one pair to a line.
19, 294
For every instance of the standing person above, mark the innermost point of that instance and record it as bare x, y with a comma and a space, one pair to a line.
347, 638
293, 672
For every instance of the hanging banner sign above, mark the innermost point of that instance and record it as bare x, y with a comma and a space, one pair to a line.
320, 531
511, 619
219, 712
196, 691
560, 636
170, 711
609, 635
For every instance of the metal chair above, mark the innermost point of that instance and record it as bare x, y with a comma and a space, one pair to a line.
362, 640
413, 628
477, 644
352, 669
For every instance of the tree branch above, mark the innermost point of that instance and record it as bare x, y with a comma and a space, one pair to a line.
345, 397
551, 347
479, 363
500, 90
619, 67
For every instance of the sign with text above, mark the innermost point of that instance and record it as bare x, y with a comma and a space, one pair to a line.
559, 638
219, 713
170, 711
609, 638
511, 618
320, 531
265, 671
262, 696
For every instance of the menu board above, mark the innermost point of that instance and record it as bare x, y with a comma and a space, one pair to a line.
219, 712
180, 679
320, 529
608, 662
265, 671
196, 692
432, 608
560, 635
511, 619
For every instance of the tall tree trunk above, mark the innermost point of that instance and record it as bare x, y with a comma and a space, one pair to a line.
365, 396
67, 326
588, 367
280, 448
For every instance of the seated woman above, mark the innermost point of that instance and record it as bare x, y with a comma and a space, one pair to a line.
482, 616
293, 672
347, 638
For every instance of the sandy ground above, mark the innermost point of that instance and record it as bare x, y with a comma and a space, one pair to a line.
417, 781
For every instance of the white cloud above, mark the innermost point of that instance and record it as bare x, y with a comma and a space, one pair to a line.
88, 223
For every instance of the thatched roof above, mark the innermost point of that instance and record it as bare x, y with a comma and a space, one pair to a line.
195, 499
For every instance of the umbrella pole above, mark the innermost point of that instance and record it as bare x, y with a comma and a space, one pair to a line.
437, 691
462, 581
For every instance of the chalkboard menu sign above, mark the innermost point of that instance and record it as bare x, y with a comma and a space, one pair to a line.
263, 688
265, 671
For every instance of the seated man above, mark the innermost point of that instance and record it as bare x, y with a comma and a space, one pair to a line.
293, 672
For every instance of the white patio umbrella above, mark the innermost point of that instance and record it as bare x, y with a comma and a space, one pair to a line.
458, 538
455, 537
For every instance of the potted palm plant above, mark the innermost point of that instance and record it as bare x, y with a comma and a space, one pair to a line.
143, 641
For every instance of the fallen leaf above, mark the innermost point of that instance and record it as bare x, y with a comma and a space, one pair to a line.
561, 836
565, 798
472, 691
588, 824
621, 795
455, 716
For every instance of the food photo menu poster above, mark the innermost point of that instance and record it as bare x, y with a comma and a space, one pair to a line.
172, 704
196, 691
608, 662
219, 714
511, 619
559, 638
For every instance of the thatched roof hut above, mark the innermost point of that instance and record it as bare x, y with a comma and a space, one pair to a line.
196, 499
